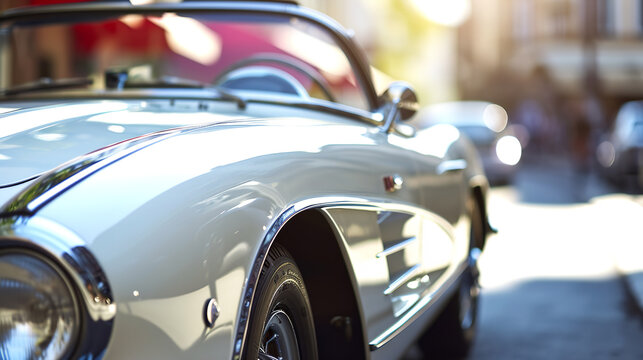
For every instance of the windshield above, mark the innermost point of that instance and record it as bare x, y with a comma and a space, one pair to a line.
257, 54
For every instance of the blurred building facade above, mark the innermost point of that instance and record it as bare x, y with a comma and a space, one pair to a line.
402, 42
580, 46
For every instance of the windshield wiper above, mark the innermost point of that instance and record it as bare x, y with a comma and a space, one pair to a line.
45, 84
120, 80
165, 82
228, 96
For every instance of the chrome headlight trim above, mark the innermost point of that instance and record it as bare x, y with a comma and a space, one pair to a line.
70, 254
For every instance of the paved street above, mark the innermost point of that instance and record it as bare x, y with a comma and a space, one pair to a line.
551, 282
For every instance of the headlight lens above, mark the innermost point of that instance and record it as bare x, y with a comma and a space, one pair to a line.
509, 150
39, 316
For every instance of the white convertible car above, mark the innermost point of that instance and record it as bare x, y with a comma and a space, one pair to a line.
222, 181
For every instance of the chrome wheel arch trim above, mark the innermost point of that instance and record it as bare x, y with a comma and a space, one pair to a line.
69, 252
323, 203
252, 279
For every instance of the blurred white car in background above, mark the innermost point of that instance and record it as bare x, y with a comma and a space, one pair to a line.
487, 126
620, 154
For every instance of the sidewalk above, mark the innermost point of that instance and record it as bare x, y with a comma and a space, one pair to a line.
621, 214
627, 240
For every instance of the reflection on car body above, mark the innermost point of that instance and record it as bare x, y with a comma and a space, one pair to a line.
215, 185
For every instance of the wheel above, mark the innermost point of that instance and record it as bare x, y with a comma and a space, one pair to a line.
281, 321
452, 334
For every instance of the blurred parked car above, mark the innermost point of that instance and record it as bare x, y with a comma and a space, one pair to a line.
620, 154
220, 180
486, 125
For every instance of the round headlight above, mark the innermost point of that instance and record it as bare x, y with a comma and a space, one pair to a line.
39, 316
509, 150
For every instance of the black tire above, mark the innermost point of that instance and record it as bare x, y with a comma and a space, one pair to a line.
452, 333
281, 321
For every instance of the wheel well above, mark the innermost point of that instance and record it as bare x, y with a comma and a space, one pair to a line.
479, 197
338, 326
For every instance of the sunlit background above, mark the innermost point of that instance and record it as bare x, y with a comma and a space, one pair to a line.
562, 69
567, 259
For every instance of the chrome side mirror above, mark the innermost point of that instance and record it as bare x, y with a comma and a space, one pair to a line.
399, 102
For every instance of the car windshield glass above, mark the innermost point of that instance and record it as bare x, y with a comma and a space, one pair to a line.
255, 54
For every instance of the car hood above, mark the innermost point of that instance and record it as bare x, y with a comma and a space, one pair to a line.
36, 137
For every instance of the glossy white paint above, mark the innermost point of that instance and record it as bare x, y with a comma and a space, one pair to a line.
34, 140
187, 215
182, 220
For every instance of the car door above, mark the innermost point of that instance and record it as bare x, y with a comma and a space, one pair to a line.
398, 249
371, 233
443, 187
421, 243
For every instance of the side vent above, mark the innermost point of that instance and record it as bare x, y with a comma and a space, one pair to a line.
403, 253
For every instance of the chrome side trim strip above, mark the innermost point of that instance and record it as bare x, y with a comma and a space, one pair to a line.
397, 247
58, 180
446, 288
95, 164
402, 279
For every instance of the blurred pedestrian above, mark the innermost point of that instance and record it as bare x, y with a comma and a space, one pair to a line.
540, 112
580, 134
